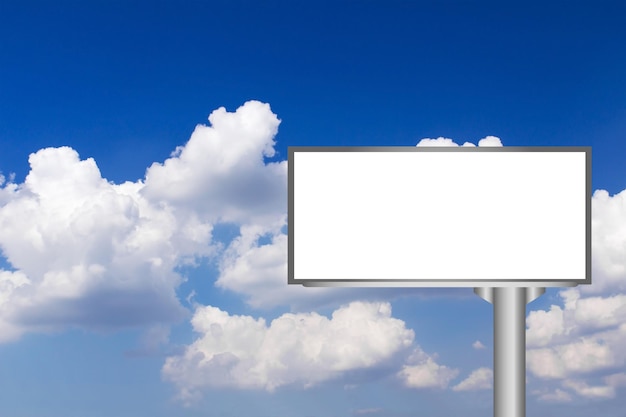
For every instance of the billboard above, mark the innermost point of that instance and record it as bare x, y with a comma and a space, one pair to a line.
439, 216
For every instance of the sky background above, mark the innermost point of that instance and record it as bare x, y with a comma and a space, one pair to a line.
143, 202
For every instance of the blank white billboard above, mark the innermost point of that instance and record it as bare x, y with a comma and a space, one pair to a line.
439, 216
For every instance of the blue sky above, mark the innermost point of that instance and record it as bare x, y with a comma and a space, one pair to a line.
132, 283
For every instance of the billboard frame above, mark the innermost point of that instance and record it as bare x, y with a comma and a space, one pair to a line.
435, 282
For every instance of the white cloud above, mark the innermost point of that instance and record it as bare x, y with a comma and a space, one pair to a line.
441, 141
478, 345
584, 339
304, 349
581, 356
90, 253
608, 243
543, 326
481, 378
585, 336
7, 188
9, 283
94, 253
600, 312
221, 173
422, 371
258, 271
490, 141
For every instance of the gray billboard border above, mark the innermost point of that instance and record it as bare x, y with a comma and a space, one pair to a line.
432, 283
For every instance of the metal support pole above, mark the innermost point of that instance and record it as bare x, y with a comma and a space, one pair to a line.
509, 347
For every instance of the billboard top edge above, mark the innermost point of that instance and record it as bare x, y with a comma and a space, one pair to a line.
585, 149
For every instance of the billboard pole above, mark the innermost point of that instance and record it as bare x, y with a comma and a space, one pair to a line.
509, 346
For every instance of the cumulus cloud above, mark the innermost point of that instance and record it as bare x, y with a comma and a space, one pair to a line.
583, 339
422, 371
441, 141
303, 349
87, 252
221, 172
544, 326
608, 243
9, 282
7, 188
581, 356
481, 378
259, 271
90, 252
586, 336
490, 141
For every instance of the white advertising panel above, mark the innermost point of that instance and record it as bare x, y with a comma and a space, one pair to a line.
439, 216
